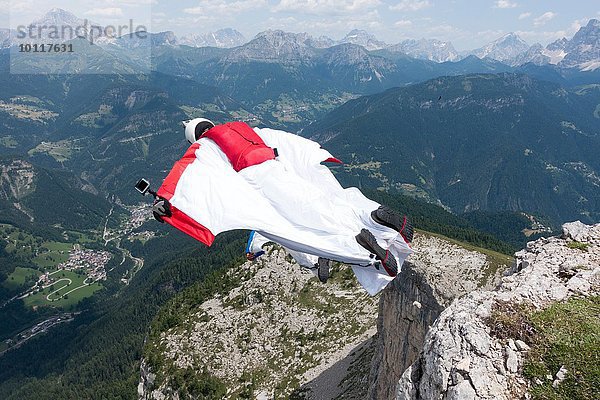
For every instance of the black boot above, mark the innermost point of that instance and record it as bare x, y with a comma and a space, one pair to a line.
366, 239
323, 269
390, 218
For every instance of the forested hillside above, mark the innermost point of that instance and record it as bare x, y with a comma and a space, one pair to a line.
476, 142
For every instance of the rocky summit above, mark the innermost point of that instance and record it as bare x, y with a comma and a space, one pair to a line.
431, 334
463, 359
281, 333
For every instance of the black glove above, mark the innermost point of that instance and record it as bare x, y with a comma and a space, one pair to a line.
161, 208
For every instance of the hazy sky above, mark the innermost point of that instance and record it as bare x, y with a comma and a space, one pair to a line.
466, 23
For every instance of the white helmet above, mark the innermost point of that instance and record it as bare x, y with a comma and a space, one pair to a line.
198, 125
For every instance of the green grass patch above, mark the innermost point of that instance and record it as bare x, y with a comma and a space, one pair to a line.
578, 246
71, 299
57, 246
567, 334
564, 334
50, 260
19, 276
60, 151
82, 238
65, 296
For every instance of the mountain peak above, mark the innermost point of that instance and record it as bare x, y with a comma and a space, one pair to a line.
275, 46
505, 48
363, 38
58, 17
510, 37
582, 50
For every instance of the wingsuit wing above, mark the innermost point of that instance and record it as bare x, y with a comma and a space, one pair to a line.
293, 200
208, 197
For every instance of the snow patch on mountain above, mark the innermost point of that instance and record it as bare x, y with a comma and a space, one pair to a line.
364, 39
223, 38
427, 49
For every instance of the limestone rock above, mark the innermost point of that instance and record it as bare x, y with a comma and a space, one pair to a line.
279, 323
560, 376
460, 331
462, 391
437, 273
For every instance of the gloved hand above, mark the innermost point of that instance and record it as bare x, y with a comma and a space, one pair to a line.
161, 208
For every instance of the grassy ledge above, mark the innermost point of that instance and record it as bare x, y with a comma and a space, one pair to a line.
566, 334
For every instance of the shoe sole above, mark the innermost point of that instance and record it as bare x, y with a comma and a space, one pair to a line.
390, 218
323, 269
366, 239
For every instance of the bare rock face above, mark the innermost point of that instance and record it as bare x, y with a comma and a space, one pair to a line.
278, 330
438, 272
462, 360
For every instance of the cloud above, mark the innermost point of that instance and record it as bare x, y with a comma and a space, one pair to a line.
524, 15
505, 4
411, 5
105, 12
334, 28
224, 7
442, 29
326, 7
21, 6
577, 24
545, 17
403, 23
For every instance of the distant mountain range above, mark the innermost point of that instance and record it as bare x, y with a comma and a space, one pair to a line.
580, 52
110, 128
224, 38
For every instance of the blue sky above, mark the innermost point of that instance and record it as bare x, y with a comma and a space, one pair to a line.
466, 23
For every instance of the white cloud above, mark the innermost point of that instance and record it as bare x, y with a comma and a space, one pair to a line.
224, 7
505, 4
411, 5
320, 7
403, 23
577, 24
442, 29
524, 15
545, 17
105, 12
21, 7
335, 28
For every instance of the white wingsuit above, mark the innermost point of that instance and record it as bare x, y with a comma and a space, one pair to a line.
292, 200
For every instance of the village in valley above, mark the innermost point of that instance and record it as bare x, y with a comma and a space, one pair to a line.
61, 274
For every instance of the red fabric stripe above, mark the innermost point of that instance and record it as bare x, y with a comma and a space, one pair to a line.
179, 219
167, 189
187, 225
333, 160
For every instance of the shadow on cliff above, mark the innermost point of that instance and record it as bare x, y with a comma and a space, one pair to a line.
346, 379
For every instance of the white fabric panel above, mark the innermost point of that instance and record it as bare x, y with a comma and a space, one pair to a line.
293, 200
